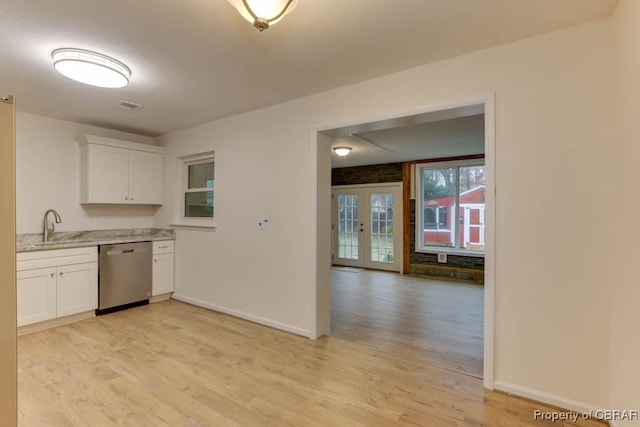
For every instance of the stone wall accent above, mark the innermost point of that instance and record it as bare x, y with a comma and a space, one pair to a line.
375, 174
443, 271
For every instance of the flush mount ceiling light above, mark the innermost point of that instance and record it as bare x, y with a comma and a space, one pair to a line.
91, 68
264, 13
342, 150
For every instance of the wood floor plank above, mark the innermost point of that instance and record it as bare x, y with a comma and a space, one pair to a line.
171, 364
442, 321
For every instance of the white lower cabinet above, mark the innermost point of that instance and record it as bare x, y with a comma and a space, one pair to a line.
36, 291
163, 268
56, 283
77, 288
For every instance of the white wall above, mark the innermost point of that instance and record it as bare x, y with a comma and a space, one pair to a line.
48, 177
626, 296
554, 209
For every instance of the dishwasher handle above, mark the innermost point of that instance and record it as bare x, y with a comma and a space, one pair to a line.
125, 251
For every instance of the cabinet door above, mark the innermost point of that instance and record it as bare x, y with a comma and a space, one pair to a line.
107, 175
145, 178
36, 291
77, 288
162, 274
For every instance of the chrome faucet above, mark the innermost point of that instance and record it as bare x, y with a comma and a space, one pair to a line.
48, 231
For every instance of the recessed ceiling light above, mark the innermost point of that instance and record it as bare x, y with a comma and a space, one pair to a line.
91, 68
342, 150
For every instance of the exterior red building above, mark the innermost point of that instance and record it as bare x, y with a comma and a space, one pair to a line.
439, 229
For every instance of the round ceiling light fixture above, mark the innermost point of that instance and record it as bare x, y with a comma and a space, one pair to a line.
91, 68
342, 150
264, 13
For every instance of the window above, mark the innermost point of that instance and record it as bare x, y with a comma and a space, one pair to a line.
196, 184
436, 218
450, 206
198, 194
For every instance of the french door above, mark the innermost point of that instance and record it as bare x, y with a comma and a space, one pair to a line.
367, 226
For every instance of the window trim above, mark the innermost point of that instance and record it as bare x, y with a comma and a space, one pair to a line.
419, 207
182, 181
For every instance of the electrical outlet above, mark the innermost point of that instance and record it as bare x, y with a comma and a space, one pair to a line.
442, 258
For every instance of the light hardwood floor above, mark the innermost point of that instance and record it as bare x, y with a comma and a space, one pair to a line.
441, 321
172, 364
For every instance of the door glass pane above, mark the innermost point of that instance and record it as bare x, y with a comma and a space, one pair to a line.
198, 204
472, 208
439, 205
201, 175
348, 227
382, 227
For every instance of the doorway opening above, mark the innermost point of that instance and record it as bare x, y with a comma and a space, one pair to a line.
370, 135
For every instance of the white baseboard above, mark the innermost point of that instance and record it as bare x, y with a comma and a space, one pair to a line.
257, 319
548, 398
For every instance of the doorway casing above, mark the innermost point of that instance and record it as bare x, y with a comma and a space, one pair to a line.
320, 292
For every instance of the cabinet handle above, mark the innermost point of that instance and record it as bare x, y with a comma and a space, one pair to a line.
52, 274
155, 260
126, 198
61, 274
132, 199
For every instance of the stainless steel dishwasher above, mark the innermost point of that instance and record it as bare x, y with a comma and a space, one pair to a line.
124, 278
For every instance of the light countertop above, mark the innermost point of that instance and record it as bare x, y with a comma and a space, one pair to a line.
76, 239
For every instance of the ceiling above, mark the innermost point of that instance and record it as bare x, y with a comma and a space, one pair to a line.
439, 134
194, 61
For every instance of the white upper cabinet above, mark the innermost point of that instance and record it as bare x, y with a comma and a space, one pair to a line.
145, 177
120, 172
106, 175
